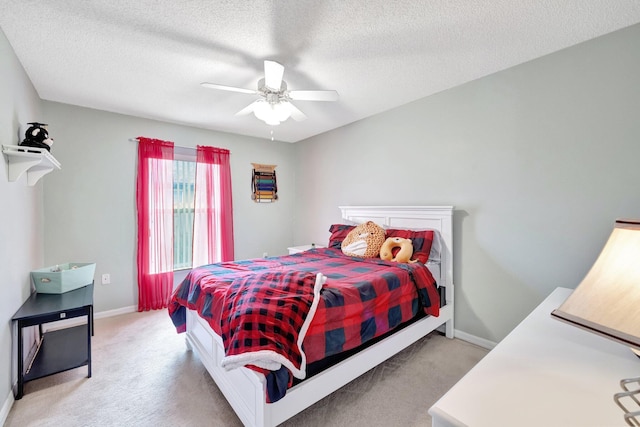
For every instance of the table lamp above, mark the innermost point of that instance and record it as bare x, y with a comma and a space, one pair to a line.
607, 301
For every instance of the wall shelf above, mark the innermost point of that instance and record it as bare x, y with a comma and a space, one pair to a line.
36, 162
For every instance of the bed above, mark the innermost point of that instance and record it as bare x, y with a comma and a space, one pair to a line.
246, 389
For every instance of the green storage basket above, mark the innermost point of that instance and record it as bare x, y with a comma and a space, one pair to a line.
63, 277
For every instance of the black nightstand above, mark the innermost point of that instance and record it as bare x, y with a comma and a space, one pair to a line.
62, 349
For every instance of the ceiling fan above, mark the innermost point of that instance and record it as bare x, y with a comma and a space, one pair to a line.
274, 105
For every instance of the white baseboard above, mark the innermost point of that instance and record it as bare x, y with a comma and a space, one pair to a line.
115, 312
6, 407
481, 342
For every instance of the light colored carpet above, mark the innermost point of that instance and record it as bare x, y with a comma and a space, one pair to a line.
143, 375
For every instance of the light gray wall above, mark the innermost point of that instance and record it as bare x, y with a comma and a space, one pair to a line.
539, 160
21, 207
90, 203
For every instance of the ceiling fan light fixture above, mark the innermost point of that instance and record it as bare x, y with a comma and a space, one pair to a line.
271, 113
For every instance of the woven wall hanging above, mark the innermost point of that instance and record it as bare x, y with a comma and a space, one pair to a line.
264, 185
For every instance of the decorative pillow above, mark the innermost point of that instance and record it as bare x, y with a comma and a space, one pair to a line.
338, 234
364, 241
422, 241
397, 249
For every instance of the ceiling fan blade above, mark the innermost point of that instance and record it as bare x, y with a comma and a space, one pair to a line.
296, 114
314, 95
228, 88
273, 73
247, 110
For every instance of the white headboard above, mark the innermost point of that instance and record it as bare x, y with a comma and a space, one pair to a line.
438, 218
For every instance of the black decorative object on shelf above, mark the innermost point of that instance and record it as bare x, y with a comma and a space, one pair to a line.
37, 136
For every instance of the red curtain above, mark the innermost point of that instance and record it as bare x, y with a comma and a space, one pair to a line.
213, 219
154, 202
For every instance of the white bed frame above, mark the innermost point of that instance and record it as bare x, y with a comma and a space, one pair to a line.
245, 389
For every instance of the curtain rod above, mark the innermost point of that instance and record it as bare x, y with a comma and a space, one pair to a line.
174, 144
178, 146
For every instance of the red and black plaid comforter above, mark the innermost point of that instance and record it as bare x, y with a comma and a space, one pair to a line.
361, 299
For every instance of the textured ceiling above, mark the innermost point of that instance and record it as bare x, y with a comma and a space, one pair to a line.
147, 58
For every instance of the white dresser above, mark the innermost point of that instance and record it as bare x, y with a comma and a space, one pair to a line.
544, 373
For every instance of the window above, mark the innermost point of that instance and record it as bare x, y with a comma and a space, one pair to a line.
184, 183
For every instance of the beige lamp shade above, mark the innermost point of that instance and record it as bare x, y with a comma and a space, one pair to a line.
607, 301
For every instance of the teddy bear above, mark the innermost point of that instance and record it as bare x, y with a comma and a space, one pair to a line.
364, 240
404, 253
37, 136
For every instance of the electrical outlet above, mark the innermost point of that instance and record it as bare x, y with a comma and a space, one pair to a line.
106, 279
265, 254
